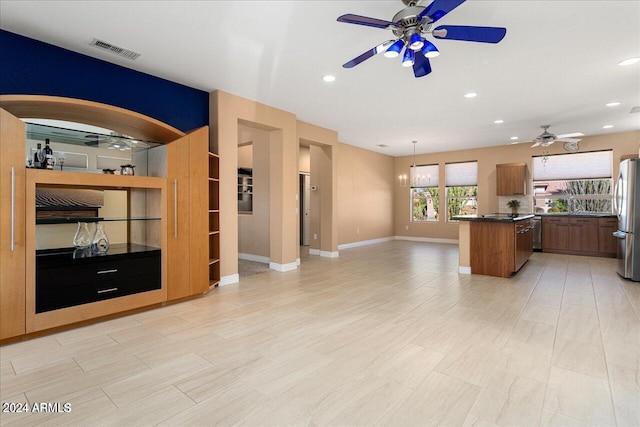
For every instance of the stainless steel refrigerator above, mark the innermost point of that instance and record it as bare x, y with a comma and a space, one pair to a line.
627, 205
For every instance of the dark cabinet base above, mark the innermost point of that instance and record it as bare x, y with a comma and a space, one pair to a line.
68, 277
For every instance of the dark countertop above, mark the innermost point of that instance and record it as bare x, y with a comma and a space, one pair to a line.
494, 217
578, 215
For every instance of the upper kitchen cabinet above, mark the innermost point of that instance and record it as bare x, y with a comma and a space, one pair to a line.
511, 179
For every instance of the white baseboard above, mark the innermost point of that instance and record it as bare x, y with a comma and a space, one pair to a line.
427, 240
365, 243
229, 280
256, 258
283, 267
464, 270
328, 254
297, 261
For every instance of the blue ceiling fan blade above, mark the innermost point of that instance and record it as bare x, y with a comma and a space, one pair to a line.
350, 18
439, 8
368, 54
421, 66
470, 34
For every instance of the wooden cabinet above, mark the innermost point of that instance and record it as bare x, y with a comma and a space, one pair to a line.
607, 242
579, 235
500, 248
187, 179
511, 179
555, 234
583, 235
12, 226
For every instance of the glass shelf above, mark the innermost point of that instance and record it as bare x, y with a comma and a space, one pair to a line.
68, 220
40, 132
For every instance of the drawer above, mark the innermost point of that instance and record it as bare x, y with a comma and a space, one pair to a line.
608, 222
69, 283
583, 221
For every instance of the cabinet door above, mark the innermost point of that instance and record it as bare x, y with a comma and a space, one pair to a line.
607, 242
511, 179
583, 234
12, 225
555, 234
178, 249
188, 215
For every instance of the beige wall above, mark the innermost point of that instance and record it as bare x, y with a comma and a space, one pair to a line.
304, 159
625, 143
365, 194
253, 228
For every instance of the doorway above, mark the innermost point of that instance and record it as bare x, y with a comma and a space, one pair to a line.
305, 208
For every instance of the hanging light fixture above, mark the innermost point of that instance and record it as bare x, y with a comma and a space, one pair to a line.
429, 50
409, 58
395, 49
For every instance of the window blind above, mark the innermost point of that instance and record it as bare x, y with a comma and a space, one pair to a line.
425, 176
461, 174
593, 165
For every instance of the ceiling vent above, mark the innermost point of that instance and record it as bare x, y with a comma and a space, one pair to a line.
126, 53
635, 110
382, 146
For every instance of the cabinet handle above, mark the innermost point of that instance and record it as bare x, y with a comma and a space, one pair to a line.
115, 270
175, 207
13, 209
104, 291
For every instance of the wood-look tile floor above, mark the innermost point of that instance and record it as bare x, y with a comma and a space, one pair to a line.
388, 334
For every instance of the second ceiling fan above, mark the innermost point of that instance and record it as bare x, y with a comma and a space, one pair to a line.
411, 24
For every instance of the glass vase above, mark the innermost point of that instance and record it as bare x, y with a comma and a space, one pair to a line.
82, 238
100, 241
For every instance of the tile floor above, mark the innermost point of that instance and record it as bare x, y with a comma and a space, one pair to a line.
386, 334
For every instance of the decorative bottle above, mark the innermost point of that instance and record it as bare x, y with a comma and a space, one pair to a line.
48, 155
82, 239
38, 157
99, 242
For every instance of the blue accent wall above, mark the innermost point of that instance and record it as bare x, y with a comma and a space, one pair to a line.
31, 67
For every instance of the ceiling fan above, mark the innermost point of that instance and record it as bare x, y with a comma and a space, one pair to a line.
546, 138
411, 24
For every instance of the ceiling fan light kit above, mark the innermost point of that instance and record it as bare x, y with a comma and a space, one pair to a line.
411, 24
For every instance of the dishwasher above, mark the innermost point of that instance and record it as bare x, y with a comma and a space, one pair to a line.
537, 233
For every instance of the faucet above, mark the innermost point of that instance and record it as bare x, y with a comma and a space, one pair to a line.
573, 203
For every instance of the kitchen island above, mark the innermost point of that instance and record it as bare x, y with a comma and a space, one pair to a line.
494, 244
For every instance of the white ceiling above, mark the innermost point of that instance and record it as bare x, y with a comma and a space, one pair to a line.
557, 64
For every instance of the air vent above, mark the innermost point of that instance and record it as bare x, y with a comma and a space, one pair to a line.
635, 110
382, 146
126, 53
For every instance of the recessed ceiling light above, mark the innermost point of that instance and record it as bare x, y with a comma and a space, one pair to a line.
629, 61
471, 95
513, 138
498, 122
329, 78
607, 126
613, 104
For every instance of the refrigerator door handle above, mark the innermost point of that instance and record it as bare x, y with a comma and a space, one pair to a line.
616, 207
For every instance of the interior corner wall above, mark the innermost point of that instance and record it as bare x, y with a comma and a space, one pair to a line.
304, 159
365, 194
622, 144
253, 228
32, 67
226, 112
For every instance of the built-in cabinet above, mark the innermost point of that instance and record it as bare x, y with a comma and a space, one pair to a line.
511, 179
579, 235
172, 223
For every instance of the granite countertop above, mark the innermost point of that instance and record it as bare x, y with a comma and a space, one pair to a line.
579, 215
494, 217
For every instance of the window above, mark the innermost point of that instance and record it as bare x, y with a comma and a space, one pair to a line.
579, 182
461, 180
425, 193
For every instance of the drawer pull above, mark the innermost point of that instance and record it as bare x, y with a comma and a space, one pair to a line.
115, 270
104, 291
